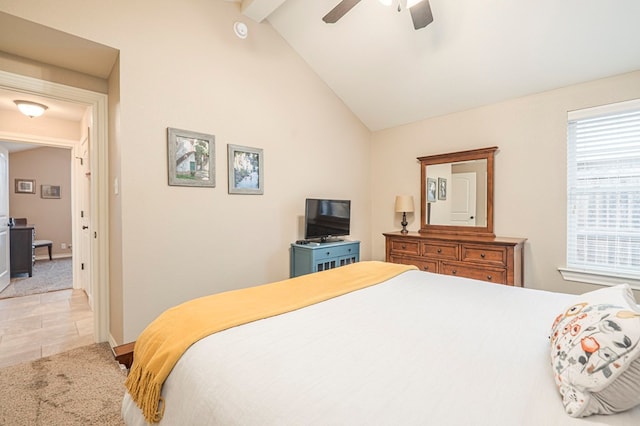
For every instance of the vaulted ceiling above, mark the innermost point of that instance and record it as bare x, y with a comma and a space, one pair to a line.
475, 52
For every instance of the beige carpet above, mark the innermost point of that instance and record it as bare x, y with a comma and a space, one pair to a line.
84, 386
48, 275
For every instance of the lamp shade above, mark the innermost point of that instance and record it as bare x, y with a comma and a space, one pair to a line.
404, 203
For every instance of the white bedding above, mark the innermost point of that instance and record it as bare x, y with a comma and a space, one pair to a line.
420, 349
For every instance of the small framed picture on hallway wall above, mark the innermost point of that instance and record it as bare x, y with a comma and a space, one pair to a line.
49, 191
25, 186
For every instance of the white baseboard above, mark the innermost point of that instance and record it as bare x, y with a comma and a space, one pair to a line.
55, 256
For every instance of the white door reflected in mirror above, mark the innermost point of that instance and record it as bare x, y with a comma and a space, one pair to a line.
463, 199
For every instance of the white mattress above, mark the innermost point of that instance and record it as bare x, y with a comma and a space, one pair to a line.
420, 349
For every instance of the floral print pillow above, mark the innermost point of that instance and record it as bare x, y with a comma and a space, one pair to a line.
595, 352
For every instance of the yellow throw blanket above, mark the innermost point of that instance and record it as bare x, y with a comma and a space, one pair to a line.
164, 341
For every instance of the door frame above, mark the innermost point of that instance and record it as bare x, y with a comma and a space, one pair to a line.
5, 237
99, 180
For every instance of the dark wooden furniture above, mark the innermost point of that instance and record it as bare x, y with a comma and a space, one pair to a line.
22, 221
124, 354
494, 259
21, 250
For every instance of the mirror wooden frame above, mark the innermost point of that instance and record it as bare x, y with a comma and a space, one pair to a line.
456, 157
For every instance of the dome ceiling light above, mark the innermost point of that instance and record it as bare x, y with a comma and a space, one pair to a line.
31, 109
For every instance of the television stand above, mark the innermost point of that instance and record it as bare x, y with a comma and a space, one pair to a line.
308, 258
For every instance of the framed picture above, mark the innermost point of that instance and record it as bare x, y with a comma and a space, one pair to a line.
432, 190
442, 189
246, 170
192, 159
25, 186
49, 191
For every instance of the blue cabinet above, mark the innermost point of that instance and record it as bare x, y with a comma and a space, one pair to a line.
315, 257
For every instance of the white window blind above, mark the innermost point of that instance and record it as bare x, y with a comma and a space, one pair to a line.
603, 177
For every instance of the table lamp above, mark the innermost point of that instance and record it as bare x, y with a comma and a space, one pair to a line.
404, 205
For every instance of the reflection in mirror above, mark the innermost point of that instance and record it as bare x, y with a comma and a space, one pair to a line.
461, 193
457, 192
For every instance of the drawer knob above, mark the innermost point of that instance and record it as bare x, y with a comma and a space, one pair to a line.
439, 250
404, 247
489, 277
328, 253
349, 250
426, 268
453, 271
482, 255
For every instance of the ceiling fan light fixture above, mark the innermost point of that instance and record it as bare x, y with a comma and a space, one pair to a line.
411, 3
31, 109
386, 2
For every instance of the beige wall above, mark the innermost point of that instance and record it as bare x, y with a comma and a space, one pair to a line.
51, 217
17, 65
182, 66
169, 244
530, 168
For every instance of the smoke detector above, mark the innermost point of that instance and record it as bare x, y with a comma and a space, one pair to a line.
241, 30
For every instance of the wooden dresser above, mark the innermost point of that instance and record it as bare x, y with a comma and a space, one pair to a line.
495, 259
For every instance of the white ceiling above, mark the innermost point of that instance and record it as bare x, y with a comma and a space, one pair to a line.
56, 108
476, 52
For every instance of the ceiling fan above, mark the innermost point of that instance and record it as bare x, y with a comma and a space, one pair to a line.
420, 11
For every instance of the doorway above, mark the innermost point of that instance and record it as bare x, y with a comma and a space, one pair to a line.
98, 199
45, 213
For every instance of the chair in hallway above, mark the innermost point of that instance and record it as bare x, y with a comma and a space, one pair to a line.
44, 243
22, 221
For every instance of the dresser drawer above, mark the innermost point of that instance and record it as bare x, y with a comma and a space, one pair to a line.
422, 264
494, 275
338, 251
493, 259
440, 250
405, 247
484, 254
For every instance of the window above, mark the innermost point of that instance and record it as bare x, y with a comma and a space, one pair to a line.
603, 193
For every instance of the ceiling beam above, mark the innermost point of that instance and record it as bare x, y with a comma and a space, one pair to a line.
259, 10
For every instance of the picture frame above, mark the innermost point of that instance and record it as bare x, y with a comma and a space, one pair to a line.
432, 190
246, 170
191, 158
25, 186
49, 191
442, 188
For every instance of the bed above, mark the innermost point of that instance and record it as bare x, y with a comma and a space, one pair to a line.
414, 349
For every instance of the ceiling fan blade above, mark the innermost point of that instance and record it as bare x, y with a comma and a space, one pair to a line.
339, 11
421, 14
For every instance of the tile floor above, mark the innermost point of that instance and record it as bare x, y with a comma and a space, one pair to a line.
40, 325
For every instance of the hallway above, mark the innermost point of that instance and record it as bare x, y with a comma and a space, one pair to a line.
44, 324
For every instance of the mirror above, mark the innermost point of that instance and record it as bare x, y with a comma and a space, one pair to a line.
457, 192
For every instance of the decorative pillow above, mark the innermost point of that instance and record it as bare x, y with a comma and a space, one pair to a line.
595, 352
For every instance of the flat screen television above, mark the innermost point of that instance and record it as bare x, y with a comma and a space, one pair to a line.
326, 219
